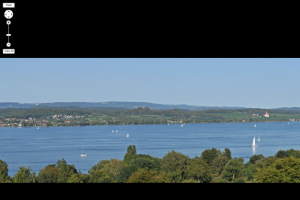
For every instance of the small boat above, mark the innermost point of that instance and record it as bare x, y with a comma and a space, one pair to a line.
83, 154
258, 139
181, 125
112, 131
117, 131
127, 135
254, 125
38, 128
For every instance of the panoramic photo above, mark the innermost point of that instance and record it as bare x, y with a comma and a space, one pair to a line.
149, 120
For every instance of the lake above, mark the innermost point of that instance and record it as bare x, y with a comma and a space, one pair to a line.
36, 148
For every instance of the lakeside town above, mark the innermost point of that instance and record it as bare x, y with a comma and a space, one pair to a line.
54, 120
135, 116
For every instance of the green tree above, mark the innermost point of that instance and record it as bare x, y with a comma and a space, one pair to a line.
283, 170
174, 164
190, 181
146, 161
99, 165
255, 159
4, 178
268, 161
74, 178
24, 175
100, 176
143, 163
233, 169
281, 154
198, 170
227, 153
218, 179
66, 171
125, 173
49, 174
173, 161
147, 176
131, 152
287, 153
294, 153
218, 164
57, 173
250, 171
209, 155
111, 168
84, 178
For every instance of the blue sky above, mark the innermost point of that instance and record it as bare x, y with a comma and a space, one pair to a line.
247, 82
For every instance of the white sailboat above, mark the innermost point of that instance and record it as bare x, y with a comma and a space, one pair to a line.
254, 125
117, 131
258, 139
253, 143
83, 154
127, 135
112, 131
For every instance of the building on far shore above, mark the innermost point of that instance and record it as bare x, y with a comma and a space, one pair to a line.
266, 115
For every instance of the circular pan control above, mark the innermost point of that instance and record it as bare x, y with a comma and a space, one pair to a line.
8, 14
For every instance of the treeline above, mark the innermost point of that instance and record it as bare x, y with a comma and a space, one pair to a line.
38, 113
213, 166
143, 115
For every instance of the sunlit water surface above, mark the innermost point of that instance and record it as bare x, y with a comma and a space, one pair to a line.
36, 148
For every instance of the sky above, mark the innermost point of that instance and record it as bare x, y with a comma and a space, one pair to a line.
245, 82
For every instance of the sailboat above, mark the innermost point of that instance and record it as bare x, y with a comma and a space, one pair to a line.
127, 135
83, 154
117, 131
258, 139
253, 143
254, 125
112, 131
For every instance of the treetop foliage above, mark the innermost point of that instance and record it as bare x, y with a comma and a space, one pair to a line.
213, 166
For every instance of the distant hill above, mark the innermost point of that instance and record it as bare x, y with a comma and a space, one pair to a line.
15, 105
294, 109
111, 105
123, 105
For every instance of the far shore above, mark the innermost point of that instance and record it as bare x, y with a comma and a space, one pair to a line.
142, 124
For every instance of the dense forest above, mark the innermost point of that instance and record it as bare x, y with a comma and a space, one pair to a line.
142, 115
213, 166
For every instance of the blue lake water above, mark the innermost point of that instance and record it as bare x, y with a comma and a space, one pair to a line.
36, 148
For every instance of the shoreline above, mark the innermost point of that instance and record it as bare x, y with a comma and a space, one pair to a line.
141, 124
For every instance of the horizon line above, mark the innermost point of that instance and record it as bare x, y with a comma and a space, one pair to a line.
146, 102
